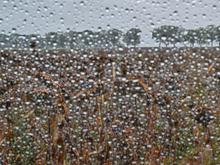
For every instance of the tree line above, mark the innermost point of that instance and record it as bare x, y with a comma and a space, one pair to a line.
71, 39
171, 35
166, 35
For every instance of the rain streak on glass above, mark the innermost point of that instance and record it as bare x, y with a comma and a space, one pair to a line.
110, 82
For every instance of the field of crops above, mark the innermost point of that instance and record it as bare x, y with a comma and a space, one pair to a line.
135, 106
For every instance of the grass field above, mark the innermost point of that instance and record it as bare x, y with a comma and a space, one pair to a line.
137, 106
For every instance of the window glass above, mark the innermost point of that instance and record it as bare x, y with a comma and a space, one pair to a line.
109, 82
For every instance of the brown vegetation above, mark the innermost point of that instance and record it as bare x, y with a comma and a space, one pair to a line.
144, 106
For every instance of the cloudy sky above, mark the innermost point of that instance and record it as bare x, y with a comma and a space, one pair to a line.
41, 16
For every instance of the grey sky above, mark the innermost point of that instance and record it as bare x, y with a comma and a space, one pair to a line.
41, 16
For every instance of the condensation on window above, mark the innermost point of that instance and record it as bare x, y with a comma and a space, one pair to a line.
109, 82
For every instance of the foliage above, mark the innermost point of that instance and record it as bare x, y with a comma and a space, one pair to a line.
168, 34
132, 37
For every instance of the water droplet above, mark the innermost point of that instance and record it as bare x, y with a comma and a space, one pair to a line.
1, 20
82, 3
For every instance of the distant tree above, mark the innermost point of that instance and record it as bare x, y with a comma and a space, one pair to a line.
211, 33
4, 40
174, 38
87, 37
166, 34
52, 39
132, 37
156, 34
190, 36
33, 45
183, 36
73, 39
218, 35
101, 39
33, 40
62, 40
97, 39
14, 41
201, 36
114, 36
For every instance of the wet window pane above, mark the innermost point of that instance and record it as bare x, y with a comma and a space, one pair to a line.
109, 82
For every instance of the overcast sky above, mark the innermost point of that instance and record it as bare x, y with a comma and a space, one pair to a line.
41, 16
